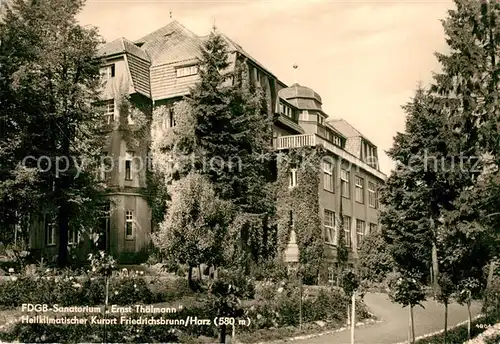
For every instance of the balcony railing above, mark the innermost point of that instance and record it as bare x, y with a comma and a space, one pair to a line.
312, 140
295, 141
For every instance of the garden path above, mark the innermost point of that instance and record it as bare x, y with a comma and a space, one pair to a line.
393, 327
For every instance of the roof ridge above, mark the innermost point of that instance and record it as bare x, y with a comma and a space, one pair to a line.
174, 24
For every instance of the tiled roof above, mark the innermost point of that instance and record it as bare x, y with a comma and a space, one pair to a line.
171, 43
233, 46
179, 50
299, 91
174, 25
347, 129
344, 127
122, 45
302, 97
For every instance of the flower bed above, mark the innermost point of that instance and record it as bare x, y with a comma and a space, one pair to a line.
459, 333
68, 289
273, 312
490, 336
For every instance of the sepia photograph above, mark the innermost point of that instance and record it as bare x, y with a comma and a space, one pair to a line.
250, 171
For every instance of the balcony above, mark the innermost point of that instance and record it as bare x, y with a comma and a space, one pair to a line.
313, 140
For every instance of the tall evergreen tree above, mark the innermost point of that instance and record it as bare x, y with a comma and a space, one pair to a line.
467, 92
231, 142
50, 77
420, 188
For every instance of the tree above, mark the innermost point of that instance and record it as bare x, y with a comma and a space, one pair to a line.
50, 77
466, 291
342, 249
195, 230
469, 89
225, 296
407, 290
415, 194
466, 91
234, 133
349, 281
222, 132
375, 261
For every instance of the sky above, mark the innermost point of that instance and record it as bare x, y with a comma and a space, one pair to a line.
364, 58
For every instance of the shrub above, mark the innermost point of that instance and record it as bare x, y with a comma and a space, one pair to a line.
67, 290
126, 291
271, 270
493, 340
170, 290
375, 261
93, 291
459, 334
36, 333
278, 305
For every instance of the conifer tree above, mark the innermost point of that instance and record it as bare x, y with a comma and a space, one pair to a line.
467, 93
419, 189
233, 136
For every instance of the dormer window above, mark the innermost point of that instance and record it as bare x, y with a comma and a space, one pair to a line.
186, 71
286, 110
369, 154
107, 72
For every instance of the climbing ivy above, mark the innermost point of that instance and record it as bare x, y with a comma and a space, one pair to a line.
302, 202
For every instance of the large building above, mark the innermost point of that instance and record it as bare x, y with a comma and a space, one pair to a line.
158, 70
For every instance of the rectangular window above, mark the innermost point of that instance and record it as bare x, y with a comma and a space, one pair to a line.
104, 227
292, 178
73, 237
107, 72
360, 231
109, 111
344, 180
360, 192
129, 224
105, 167
331, 274
186, 71
329, 227
369, 154
347, 230
372, 195
328, 180
50, 231
128, 165
169, 119
373, 228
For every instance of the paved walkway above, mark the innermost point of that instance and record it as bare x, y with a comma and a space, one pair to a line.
393, 327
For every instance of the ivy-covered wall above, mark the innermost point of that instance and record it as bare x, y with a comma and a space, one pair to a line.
299, 207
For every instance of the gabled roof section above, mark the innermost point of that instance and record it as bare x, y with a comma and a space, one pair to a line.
171, 43
233, 46
346, 129
173, 26
121, 46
